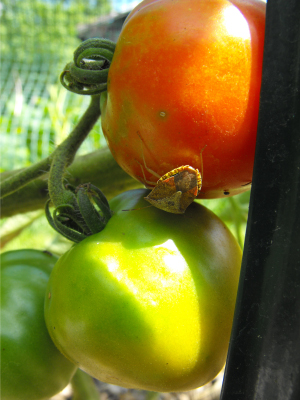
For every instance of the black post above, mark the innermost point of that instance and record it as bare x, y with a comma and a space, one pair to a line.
264, 355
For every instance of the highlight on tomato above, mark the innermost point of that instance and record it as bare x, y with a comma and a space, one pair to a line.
148, 302
183, 89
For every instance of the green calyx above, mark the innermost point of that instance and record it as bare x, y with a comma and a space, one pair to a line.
86, 214
87, 74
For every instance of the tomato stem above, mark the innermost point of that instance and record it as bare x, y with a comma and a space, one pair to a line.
75, 215
24, 176
84, 387
65, 154
99, 166
68, 149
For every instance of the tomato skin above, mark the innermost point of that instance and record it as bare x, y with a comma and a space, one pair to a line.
32, 367
185, 78
148, 302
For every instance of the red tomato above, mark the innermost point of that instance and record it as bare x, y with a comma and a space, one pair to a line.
183, 89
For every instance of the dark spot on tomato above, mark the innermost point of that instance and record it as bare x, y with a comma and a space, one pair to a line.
226, 192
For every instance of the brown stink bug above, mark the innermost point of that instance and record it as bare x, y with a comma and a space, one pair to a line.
176, 190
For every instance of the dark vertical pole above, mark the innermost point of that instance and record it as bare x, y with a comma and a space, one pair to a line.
264, 354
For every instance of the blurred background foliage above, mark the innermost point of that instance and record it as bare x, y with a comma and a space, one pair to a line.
38, 38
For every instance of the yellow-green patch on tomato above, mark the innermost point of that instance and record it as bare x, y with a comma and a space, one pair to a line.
148, 302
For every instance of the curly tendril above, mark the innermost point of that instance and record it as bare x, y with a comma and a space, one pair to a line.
89, 216
87, 74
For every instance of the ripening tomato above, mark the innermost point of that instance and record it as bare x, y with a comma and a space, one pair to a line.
183, 89
148, 302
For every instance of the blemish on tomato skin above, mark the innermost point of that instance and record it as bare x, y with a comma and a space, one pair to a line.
162, 114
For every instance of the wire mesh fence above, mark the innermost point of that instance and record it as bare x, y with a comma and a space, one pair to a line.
38, 38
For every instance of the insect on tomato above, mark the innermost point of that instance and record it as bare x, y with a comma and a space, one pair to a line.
176, 190
187, 74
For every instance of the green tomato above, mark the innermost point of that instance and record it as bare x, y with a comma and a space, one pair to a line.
31, 366
148, 302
